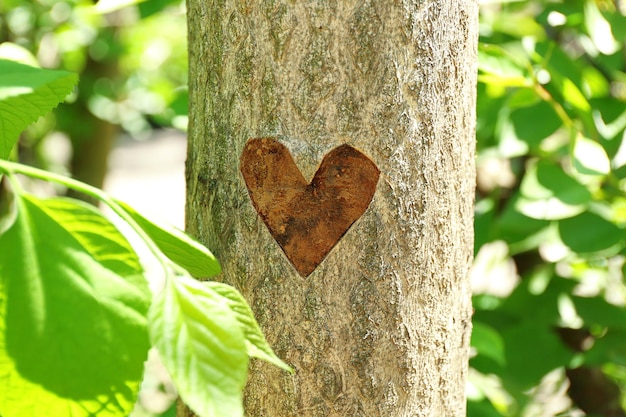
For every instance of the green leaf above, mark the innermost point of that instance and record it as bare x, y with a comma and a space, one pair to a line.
609, 347
170, 412
523, 126
499, 67
8, 207
618, 23
609, 117
534, 123
14, 52
488, 105
518, 25
255, 341
548, 193
520, 232
532, 351
566, 83
560, 65
73, 305
108, 6
536, 298
26, 93
177, 246
590, 158
202, 346
488, 342
599, 29
482, 408
148, 8
596, 311
589, 232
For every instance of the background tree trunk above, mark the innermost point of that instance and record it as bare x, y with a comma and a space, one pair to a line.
381, 327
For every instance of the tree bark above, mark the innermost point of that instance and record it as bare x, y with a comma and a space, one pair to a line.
381, 326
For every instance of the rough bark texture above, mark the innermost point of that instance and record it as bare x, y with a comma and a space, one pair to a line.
381, 327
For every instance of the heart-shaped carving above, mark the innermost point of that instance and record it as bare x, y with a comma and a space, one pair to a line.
307, 219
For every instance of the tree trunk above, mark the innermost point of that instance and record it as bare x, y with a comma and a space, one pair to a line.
381, 326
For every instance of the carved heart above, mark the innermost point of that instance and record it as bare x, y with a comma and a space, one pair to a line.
307, 219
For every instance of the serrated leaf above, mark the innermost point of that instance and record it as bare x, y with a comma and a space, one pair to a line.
255, 341
202, 346
73, 308
26, 93
178, 246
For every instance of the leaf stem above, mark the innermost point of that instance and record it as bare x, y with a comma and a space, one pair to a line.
11, 168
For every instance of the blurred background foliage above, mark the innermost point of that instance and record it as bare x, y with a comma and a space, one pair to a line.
549, 333
548, 279
132, 63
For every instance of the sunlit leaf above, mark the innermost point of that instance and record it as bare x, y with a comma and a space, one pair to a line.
108, 6
496, 66
14, 52
590, 157
573, 95
548, 193
181, 248
518, 25
255, 341
599, 29
26, 93
73, 307
202, 345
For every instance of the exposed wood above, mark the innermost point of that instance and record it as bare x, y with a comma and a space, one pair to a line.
381, 327
307, 219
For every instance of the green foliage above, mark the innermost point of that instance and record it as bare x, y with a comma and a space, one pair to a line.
27, 93
76, 315
177, 246
215, 332
68, 275
133, 66
551, 188
209, 346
